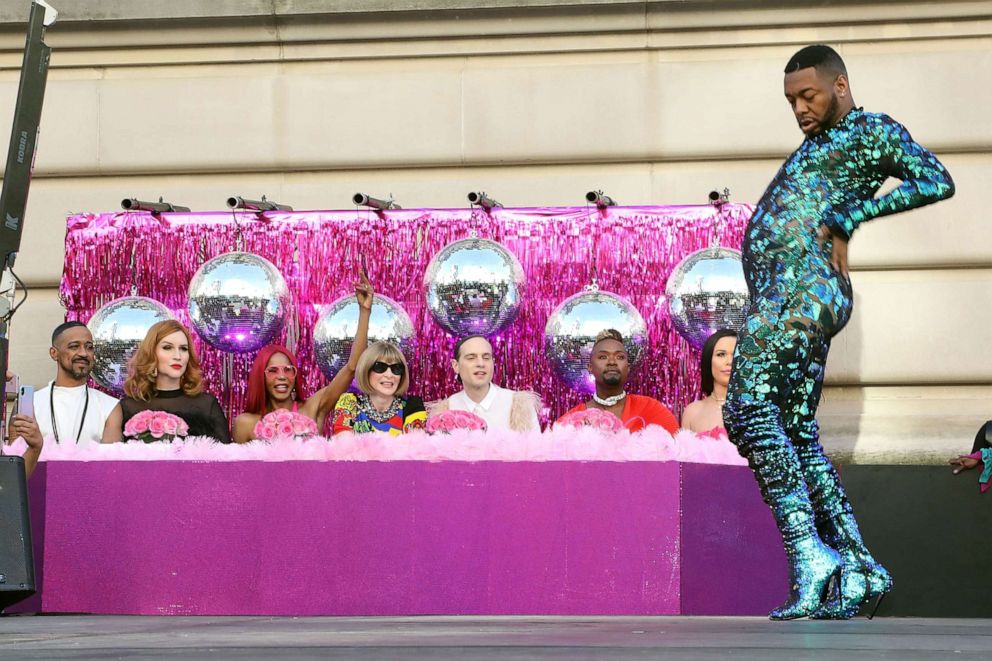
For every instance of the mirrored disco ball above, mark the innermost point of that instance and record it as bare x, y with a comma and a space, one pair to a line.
573, 326
706, 292
118, 327
238, 302
336, 327
474, 286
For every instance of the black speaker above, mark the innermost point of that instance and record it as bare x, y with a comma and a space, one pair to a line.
16, 558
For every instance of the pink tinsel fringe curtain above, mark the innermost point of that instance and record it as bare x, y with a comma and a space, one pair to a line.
634, 250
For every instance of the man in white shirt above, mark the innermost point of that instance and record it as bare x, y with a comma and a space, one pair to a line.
502, 409
67, 409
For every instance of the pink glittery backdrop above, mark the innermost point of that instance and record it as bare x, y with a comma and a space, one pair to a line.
635, 250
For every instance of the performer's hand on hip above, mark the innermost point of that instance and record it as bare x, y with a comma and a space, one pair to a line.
838, 255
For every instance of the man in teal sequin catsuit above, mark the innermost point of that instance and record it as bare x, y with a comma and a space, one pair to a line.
795, 262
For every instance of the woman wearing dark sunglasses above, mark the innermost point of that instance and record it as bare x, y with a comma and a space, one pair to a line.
272, 381
383, 406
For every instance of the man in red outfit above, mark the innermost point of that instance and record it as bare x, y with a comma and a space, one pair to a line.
610, 366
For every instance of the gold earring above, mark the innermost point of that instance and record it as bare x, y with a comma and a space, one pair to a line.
154, 372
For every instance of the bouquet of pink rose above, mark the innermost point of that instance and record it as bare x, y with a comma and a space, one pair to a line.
284, 425
595, 418
151, 426
449, 421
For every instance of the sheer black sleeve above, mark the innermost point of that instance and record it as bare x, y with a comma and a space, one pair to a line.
217, 422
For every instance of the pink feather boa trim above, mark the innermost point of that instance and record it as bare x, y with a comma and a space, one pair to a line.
561, 444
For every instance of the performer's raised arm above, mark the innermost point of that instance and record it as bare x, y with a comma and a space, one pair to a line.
329, 394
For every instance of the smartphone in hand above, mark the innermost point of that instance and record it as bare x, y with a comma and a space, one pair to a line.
25, 400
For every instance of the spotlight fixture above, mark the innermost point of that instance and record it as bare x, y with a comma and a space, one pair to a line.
718, 199
483, 200
131, 204
238, 202
601, 200
363, 200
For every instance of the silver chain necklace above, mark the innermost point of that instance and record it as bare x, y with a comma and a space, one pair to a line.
382, 416
609, 401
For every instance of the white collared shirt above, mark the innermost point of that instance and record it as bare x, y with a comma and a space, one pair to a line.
494, 408
69, 404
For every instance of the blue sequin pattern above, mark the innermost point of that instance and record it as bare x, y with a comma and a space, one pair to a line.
798, 303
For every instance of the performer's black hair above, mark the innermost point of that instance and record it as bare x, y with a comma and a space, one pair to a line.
823, 58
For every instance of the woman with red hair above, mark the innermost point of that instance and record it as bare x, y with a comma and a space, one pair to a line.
164, 375
272, 380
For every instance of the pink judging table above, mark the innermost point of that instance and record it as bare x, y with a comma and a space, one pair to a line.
402, 538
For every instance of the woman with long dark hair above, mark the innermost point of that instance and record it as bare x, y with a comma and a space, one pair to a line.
705, 416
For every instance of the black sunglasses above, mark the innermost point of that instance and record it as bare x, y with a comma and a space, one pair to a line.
380, 367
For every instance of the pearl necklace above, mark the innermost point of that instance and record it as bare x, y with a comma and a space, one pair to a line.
609, 401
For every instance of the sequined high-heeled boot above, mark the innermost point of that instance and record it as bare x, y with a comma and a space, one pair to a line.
755, 427
813, 566
863, 580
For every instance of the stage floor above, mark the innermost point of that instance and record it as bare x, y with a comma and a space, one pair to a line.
117, 637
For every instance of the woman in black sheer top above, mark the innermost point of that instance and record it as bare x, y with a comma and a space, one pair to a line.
164, 375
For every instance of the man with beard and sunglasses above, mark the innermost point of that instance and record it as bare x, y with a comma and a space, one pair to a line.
67, 409
795, 262
610, 367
